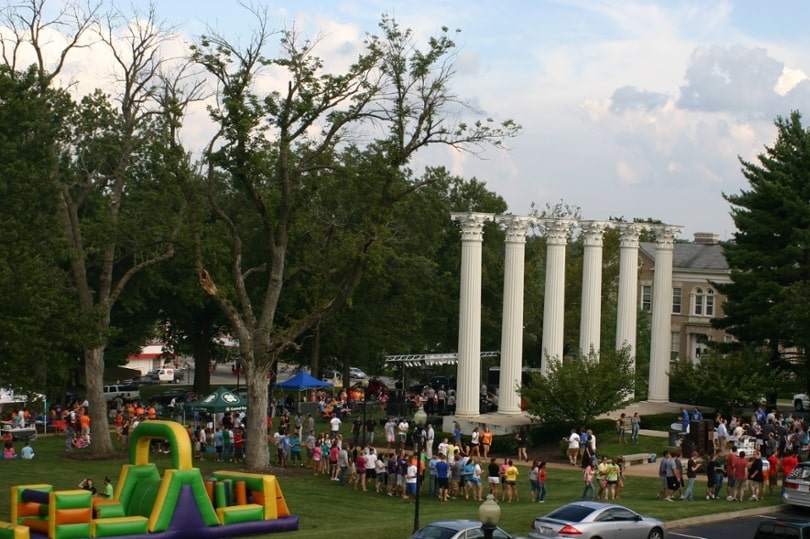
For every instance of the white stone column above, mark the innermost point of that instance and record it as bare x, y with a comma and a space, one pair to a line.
557, 232
661, 312
512, 324
590, 322
627, 307
468, 379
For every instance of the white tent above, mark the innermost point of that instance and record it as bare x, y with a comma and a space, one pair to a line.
8, 396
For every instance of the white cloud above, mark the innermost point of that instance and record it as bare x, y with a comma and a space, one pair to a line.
788, 80
626, 174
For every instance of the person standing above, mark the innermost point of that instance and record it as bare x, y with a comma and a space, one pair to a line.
443, 477
486, 441
621, 431
493, 477
430, 439
719, 471
534, 484
573, 447
635, 427
342, 465
789, 461
773, 471
541, 482
511, 476
475, 443
739, 468
612, 479
334, 425
411, 480
390, 428
587, 475
692, 468
522, 439
755, 475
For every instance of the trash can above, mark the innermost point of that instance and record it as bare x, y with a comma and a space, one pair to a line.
673, 437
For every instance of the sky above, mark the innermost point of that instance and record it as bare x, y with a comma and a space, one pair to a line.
630, 109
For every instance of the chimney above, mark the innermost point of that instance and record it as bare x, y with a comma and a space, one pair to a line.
707, 238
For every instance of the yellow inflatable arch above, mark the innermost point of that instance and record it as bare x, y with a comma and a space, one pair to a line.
161, 430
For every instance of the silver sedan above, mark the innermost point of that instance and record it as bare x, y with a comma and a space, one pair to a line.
797, 486
585, 520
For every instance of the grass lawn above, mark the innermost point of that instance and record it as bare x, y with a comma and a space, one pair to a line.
327, 509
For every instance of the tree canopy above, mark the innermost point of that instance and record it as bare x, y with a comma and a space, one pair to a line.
575, 391
769, 255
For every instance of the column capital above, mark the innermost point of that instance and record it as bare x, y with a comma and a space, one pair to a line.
515, 226
472, 224
665, 235
593, 232
558, 230
629, 233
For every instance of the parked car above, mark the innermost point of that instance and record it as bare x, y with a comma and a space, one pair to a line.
121, 392
456, 529
595, 519
144, 379
801, 401
356, 373
165, 397
783, 528
797, 486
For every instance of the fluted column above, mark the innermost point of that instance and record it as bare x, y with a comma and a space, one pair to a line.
468, 380
557, 232
627, 306
512, 324
590, 322
661, 312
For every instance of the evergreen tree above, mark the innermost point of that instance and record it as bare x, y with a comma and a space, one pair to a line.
769, 256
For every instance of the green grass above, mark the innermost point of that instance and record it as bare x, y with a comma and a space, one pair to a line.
325, 508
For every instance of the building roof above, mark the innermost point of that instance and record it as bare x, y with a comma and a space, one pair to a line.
692, 256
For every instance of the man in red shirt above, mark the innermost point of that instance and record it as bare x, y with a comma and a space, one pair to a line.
773, 472
740, 470
789, 461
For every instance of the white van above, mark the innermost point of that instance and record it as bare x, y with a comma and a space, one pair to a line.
165, 374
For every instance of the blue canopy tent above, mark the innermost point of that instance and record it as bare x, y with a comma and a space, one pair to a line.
303, 381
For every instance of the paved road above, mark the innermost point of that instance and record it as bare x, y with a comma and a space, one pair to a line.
739, 527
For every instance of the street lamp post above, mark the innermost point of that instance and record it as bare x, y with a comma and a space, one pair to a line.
489, 513
419, 419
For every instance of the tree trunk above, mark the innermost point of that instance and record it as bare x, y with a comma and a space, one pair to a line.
200, 348
101, 443
256, 455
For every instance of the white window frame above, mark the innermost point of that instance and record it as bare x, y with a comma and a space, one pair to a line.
677, 300
646, 298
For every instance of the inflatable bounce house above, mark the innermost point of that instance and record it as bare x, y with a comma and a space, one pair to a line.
179, 505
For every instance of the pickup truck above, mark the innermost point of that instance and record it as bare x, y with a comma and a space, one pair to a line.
124, 392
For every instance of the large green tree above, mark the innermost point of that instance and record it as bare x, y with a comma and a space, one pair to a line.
273, 151
38, 344
769, 255
113, 175
726, 382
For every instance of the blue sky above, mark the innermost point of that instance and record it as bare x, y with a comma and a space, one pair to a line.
629, 108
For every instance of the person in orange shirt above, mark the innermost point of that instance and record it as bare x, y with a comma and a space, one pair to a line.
151, 413
486, 441
119, 424
84, 422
